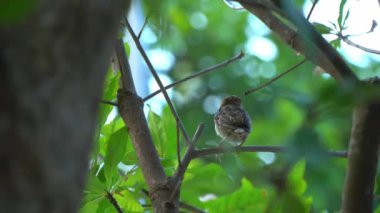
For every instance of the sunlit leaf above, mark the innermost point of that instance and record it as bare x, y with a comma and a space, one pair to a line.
117, 146
336, 43
323, 29
246, 199
128, 202
341, 15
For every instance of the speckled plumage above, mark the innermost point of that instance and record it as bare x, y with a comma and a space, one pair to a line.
232, 122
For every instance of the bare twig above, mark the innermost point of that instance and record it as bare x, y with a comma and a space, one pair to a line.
113, 202
191, 208
108, 102
158, 80
312, 9
349, 42
275, 78
178, 146
200, 73
239, 149
142, 28
178, 176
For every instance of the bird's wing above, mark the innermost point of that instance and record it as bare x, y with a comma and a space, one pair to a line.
233, 117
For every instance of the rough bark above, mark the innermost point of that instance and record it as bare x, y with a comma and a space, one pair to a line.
303, 38
52, 67
365, 134
131, 110
362, 159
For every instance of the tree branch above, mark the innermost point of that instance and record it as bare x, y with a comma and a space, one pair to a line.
131, 110
349, 42
143, 27
240, 149
275, 78
200, 73
197, 74
190, 208
362, 158
158, 80
307, 40
311, 9
178, 176
113, 202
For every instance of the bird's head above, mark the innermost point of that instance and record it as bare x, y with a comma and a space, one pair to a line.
231, 100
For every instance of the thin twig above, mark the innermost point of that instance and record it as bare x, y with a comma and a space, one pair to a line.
108, 102
158, 80
113, 202
142, 28
349, 42
178, 176
200, 73
178, 146
190, 207
239, 149
275, 78
312, 9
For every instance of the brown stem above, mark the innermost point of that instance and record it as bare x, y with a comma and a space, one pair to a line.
131, 110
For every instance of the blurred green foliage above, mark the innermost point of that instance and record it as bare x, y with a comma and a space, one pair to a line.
304, 111
13, 11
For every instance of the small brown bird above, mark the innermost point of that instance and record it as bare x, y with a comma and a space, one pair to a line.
232, 122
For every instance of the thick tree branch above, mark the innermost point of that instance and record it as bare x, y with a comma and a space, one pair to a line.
304, 39
131, 110
362, 158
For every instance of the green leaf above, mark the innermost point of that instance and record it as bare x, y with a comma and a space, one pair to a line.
111, 85
12, 11
94, 194
295, 181
245, 199
163, 129
127, 48
340, 17
323, 29
128, 202
377, 186
201, 179
157, 130
293, 204
336, 43
117, 147
345, 18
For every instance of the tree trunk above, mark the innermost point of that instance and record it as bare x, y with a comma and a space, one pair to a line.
52, 67
362, 158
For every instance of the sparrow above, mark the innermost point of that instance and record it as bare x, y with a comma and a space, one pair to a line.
232, 122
